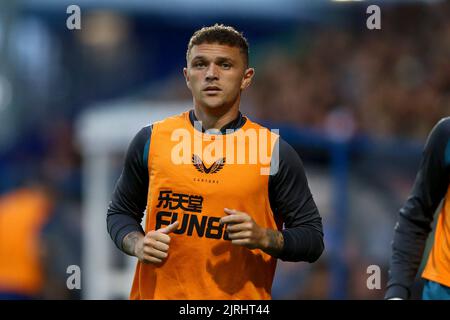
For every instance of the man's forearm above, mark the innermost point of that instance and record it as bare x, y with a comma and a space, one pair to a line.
129, 242
302, 243
274, 242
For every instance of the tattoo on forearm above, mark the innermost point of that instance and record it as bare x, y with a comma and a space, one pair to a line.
130, 241
276, 242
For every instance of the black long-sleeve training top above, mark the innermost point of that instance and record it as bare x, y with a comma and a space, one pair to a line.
289, 196
416, 216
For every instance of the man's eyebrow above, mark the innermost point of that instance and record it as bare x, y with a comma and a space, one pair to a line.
222, 59
199, 58
216, 58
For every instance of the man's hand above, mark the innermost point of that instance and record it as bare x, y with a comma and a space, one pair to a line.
244, 231
154, 246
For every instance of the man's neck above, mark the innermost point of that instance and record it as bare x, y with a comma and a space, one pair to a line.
215, 118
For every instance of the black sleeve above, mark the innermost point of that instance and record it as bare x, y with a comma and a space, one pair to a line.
129, 199
415, 217
292, 202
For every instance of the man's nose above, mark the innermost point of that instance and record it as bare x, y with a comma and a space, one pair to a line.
212, 72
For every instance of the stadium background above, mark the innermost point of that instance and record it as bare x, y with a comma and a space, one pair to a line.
356, 104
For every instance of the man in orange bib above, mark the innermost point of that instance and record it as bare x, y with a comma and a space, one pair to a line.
217, 188
430, 190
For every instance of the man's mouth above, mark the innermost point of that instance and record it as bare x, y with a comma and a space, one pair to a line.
212, 89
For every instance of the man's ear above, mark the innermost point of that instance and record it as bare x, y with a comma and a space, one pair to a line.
247, 79
186, 77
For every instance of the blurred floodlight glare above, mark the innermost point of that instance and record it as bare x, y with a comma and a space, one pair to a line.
274, 8
104, 29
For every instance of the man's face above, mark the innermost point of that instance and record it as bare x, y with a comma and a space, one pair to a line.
216, 74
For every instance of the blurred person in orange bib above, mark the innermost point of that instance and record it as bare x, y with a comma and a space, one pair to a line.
431, 188
24, 212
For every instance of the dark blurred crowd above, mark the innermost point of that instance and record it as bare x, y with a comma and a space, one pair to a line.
391, 82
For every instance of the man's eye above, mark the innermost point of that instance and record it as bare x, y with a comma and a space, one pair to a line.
199, 65
226, 65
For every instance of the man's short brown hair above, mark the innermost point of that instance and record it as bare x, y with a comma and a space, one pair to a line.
220, 34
